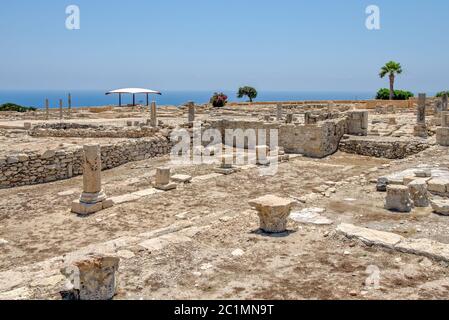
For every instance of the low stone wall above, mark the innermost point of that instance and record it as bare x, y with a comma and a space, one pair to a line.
52, 165
382, 147
91, 131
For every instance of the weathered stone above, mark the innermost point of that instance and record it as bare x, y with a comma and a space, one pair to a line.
273, 212
162, 180
262, 155
358, 122
382, 184
443, 136
418, 193
423, 173
92, 199
181, 178
438, 186
153, 114
398, 199
92, 278
279, 112
191, 112
421, 115
440, 206
369, 236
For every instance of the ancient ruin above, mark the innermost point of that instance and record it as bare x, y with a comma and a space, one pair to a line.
329, 189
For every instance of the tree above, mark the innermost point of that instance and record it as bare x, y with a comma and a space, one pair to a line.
249, 92
391, 69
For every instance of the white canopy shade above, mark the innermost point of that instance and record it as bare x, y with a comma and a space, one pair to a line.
132, 91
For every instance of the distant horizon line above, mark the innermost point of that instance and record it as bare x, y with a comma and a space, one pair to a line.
213, 90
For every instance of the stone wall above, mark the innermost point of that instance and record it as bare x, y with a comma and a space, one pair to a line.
91, 131
382, 147
317, 140
52, 165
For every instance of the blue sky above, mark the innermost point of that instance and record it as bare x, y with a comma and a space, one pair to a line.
285, 45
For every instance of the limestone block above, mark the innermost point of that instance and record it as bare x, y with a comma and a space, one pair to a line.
440, 206
91, 278
227, 161
273, 212
443, 136
181, 178
398, 199
418, 193
423, 173
438, 185
162, 176
382, 184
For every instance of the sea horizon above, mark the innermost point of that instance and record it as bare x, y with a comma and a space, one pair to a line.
92, 98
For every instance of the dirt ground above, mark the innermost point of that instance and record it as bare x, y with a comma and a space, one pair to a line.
224, 256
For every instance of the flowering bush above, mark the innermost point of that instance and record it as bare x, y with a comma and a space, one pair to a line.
219, 100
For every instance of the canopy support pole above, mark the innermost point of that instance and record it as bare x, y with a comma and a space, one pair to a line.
147, 100
134, 100
119, 99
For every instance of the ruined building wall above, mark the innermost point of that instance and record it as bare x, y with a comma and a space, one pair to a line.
52, 165
317, 140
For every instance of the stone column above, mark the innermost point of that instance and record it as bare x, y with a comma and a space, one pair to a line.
47, 105
162, 179
91, 278
444, 100
444, 119
279, 112
273, 212
289, 118
420, 129
191, 110
93, 199
69, 108
60, 109
262, 155
153, 114
421, 116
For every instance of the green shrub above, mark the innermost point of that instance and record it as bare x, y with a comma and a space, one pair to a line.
15, 107
219, 99
384, 94
440, 94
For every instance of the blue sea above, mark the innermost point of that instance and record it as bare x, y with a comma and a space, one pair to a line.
84, 98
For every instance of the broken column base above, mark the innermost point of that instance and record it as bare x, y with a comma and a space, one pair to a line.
92, 278
420, 130
273, 212
82, 208
166, 187
398, 199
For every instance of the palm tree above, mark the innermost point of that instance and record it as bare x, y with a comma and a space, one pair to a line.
392, 69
